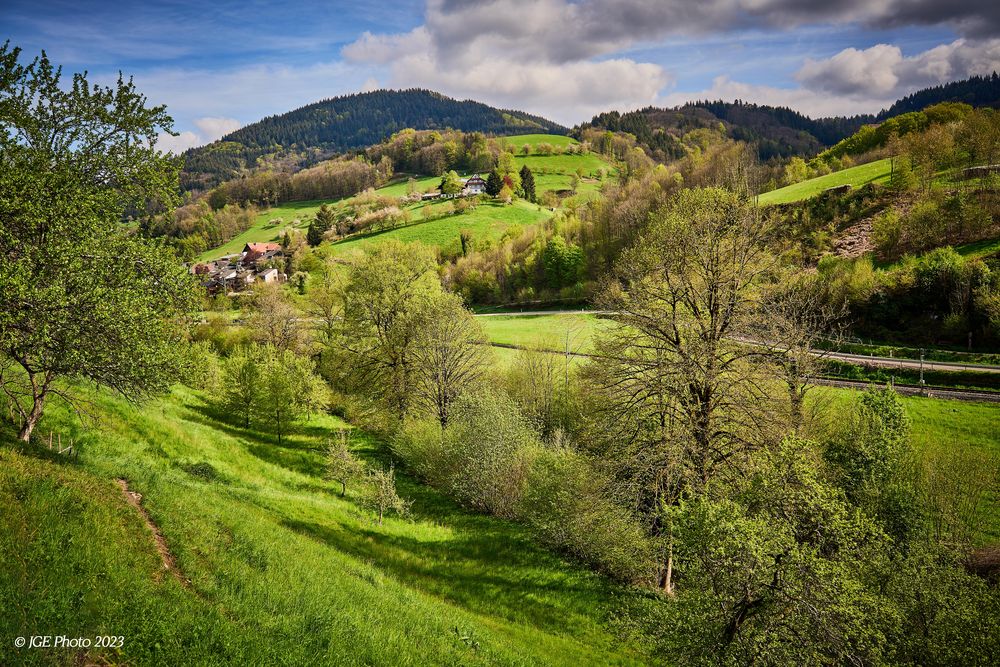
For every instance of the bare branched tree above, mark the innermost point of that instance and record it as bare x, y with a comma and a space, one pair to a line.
450, 354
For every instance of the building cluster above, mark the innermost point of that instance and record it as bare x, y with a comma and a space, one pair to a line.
257, 262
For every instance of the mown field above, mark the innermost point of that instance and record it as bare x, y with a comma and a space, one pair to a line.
275, 567
544, 332
488, 221
877, 172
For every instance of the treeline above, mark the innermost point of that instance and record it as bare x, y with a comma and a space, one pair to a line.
352, 122
775, 132
977, 91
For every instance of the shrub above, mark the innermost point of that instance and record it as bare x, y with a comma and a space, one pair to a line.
887, 232
567, 502
490, 444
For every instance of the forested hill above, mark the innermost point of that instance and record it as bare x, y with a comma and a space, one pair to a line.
350, 122
977, 91
776, 131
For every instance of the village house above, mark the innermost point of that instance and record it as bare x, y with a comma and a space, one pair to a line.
474, 185
234, 273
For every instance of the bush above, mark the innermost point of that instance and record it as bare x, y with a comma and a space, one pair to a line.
489, 446
568, 504
887, 232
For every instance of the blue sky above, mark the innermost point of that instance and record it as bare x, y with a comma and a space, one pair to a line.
222, 64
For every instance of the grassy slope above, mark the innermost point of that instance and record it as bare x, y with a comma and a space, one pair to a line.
553, 172
519, 140
263, 230
488, 221
282, 570
877, 171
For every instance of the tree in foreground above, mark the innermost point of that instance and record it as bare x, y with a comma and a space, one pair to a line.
384, 301
80, 297
687, 377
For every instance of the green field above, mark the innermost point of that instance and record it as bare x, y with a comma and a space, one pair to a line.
877, 172
281, 570
519, 140
487, 222
543, 332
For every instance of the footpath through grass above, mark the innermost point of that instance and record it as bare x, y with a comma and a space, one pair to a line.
877, 171
281, 569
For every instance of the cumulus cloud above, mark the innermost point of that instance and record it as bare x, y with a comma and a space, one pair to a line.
859, 81
488, 51
883, 71
212, 128
562, 59
209, 129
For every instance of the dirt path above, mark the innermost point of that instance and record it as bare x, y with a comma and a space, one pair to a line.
169, 563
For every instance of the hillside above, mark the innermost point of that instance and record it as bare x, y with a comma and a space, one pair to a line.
977, 91
877, 172
433, 222
271, 565
777, 131
350, 122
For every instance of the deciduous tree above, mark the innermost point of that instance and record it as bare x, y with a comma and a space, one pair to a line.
80, 297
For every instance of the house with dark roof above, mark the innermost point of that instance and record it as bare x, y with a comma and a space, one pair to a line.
474, 185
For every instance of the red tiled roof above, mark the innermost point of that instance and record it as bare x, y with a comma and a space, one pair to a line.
261, 247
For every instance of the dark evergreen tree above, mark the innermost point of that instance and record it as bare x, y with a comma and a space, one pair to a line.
528, 183
494, 184
323, 222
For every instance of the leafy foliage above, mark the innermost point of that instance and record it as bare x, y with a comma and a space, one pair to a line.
80, 298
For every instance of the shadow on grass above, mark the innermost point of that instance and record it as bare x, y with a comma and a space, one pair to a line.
480, 568
299, 451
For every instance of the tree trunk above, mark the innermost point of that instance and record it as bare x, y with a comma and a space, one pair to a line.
667, 578
343, 488
31, 420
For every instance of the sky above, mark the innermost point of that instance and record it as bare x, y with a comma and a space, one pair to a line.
221, 64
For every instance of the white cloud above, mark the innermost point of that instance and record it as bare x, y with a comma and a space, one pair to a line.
882, 71
516, 54
213, 128
177, 145
209, 129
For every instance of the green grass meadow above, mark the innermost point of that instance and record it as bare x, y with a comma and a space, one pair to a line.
488, 221
281, 569
544, 332
872, 172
